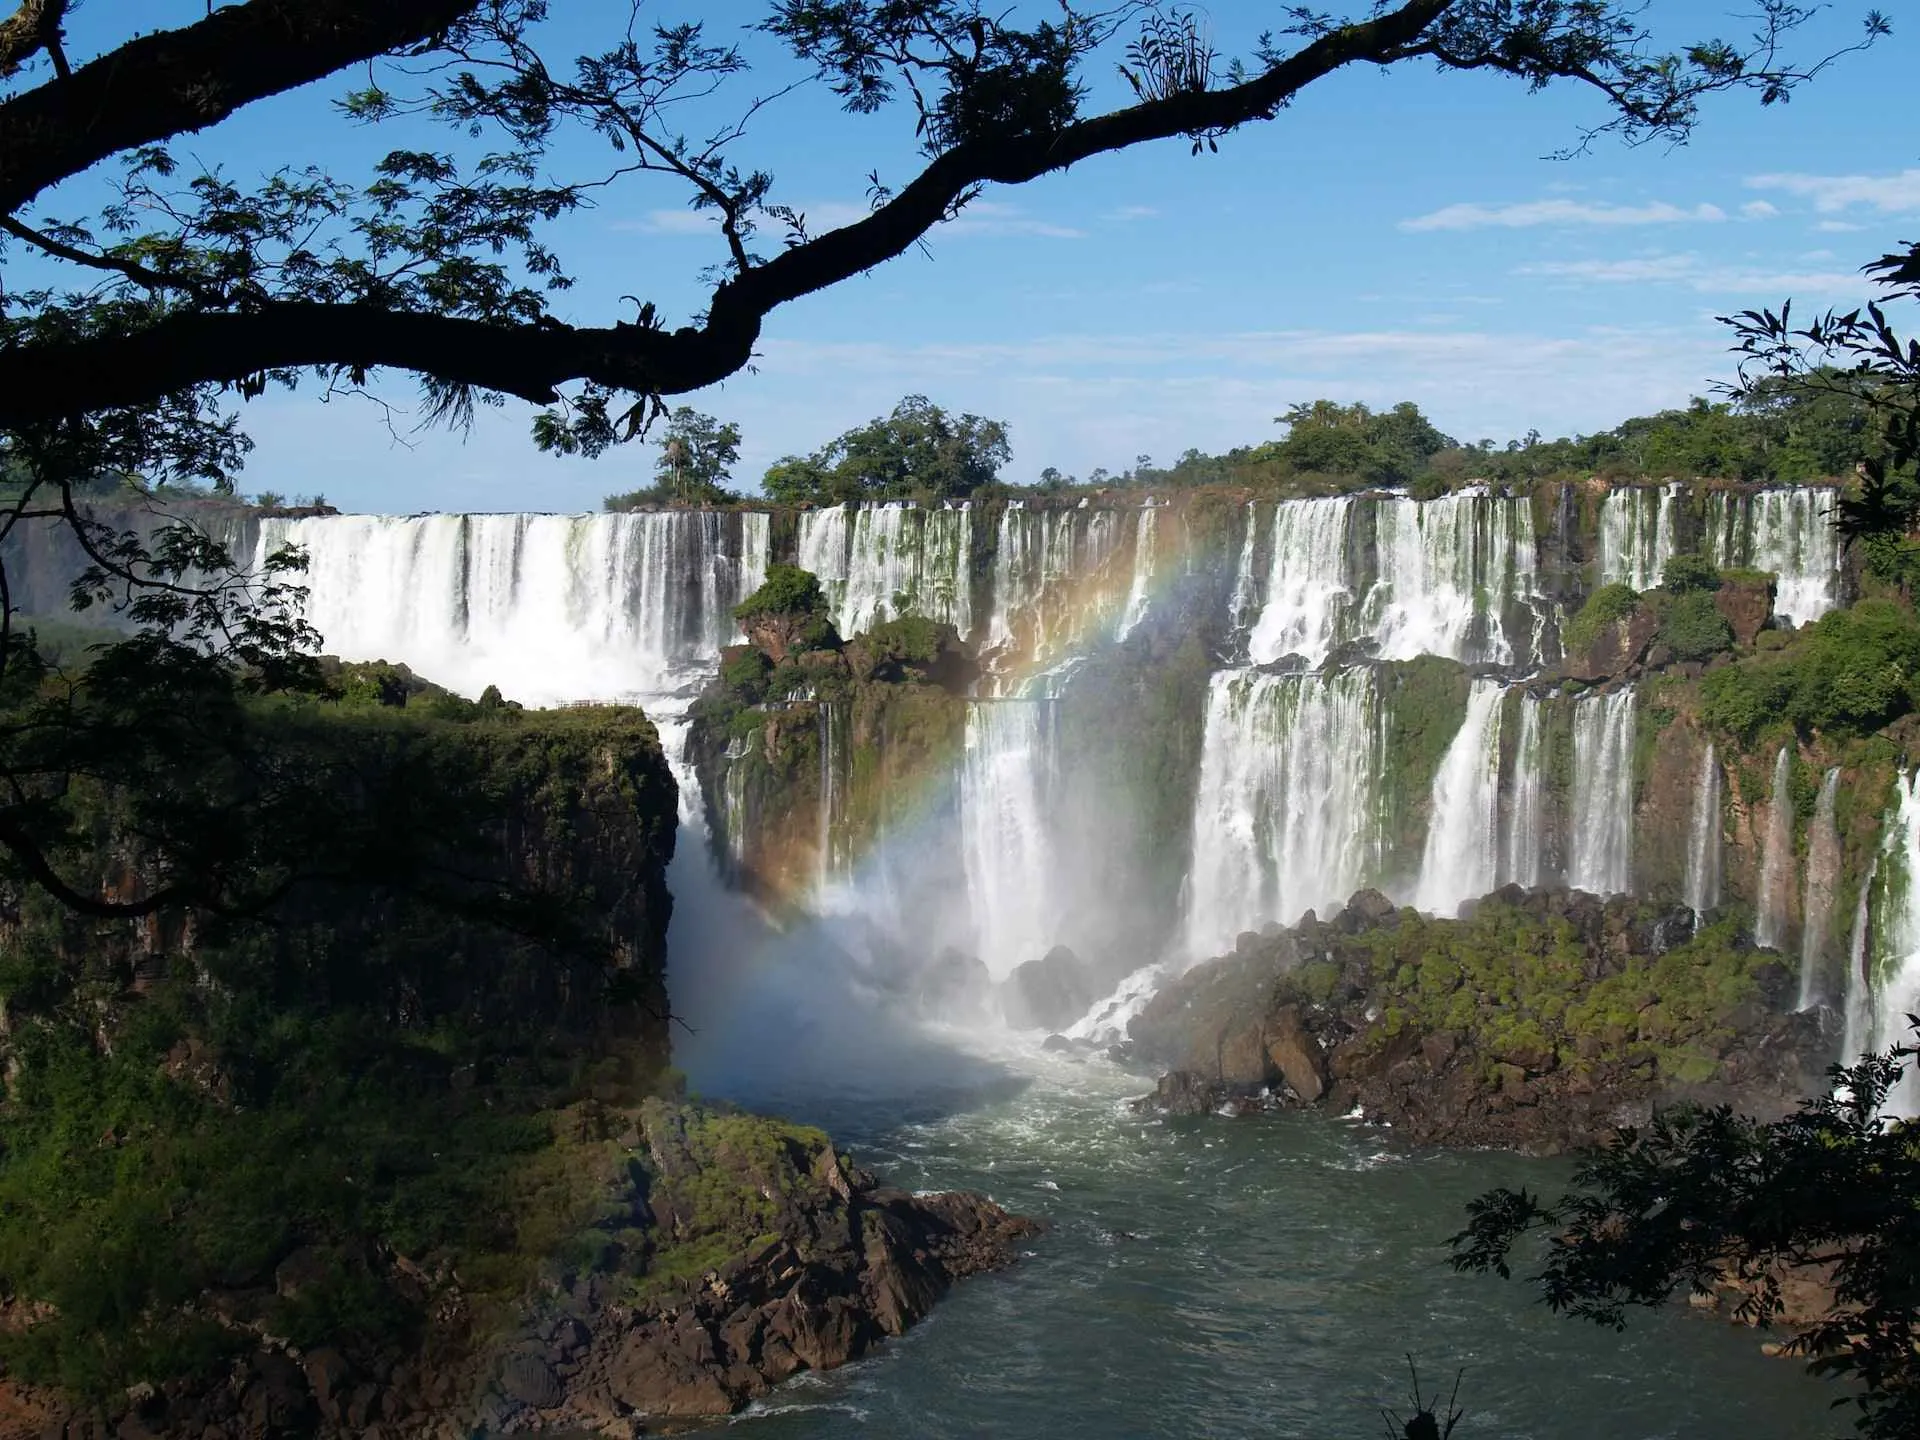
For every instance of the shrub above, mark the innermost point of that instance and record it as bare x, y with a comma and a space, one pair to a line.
788, 590
1606, 605
1851, 672
1693, 627
1685, 573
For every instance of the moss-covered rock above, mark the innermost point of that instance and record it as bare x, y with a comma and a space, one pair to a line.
1538, 1021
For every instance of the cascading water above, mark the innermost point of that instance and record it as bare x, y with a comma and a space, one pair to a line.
1241, 609
551, 608
1636, 535
1447, 570
1308, 588
1890, 970
1146, 559
1600, 846
1789, 533
1703, 839
1776, 859
1055, 585
1816, 909
833, 862
1006, 777
1286, 815
879, 562
1463, 830
1521, 841
1857, 1002
1444, 574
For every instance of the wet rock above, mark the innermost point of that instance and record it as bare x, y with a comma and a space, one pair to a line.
1050, 993
530, 1380
1747, 606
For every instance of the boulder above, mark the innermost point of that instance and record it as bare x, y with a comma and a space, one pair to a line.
1295, 1054
1050, 993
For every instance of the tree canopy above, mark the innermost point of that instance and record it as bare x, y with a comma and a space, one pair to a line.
697, 456
1703, 1197
192, 284
917, 452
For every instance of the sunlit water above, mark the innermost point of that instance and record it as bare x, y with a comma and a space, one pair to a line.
1231, 1278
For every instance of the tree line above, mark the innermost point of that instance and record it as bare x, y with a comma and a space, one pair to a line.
1772, 430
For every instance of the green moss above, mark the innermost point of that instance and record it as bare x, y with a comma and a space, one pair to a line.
1606, 605
1693, 627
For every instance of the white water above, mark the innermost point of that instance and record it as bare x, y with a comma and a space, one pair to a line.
1703, 839
1442, 577
880, 562
1816, 909
1525, 832
1787, 532
1858, 1000
1056, 585
1308, 589
1636, 535
1776, 859
1146, 559
1285, 818
1600, 845
1006, 777
551, 608
1463, 832
1890, 972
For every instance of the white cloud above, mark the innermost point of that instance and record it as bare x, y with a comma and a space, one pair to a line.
1888, 194
1759, 210
1530, 213
1134, 212
1838, 227
998, 218
1705, 276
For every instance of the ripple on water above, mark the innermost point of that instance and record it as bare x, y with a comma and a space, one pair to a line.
1246, 1279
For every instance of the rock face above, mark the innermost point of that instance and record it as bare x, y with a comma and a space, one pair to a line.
1746, 604
1617, 648
730, 1253
1050, 993
1539, 1021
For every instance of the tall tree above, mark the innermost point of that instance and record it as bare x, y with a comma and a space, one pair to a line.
918, 451
697, 456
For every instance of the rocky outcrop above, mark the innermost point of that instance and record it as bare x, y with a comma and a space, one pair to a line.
1539, 1021
729, 1254
1050, 993
1746, 603
1617, 647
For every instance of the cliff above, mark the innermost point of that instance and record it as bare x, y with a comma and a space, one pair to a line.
337, 1163
1538, 1021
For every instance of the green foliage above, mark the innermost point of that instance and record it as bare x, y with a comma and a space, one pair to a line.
1693, 627
1606, 605
697, 456
1687, 572
787, 590
910, 640
919, 452
1850, 673
1391, 447
1703, 1194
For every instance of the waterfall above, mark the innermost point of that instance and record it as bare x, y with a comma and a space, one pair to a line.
1054, 585
1005, 782
1794, 537
832, 860
1776, 859
1816, 910
1463, 828
1286, 813
1241, 611
1524, 831
1788, 533
1145, 559
1600, 846
1858, 996
551, 608
1890, 970
1703, 840
1636, 535
879, 562
1447, 569
1308, 588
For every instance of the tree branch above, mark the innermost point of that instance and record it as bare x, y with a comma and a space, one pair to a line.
37, 25
530, 362
177, 81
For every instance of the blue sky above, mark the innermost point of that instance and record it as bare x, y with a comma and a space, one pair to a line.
1391, 236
